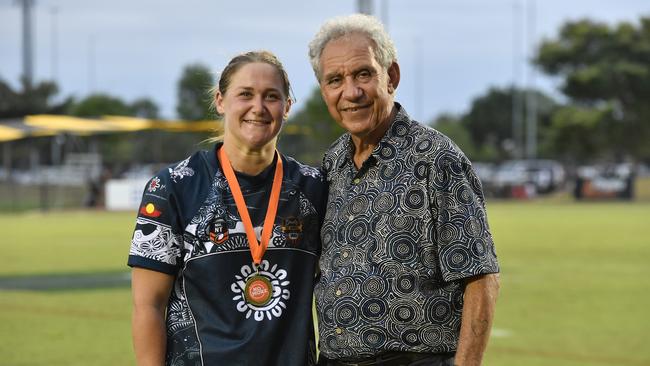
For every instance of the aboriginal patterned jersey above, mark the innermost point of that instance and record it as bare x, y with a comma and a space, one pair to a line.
399, 236
188, 226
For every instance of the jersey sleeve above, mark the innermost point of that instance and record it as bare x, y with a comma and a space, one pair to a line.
157, 238
464, 242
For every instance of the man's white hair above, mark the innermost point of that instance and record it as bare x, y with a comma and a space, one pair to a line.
335, 28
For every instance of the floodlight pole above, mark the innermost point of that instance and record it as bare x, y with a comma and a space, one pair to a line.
28, 65
517, 106
55, 44
384, 13
364, 7
531, 100
367, 7
91, 64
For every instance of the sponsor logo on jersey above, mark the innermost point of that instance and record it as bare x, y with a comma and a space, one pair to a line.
150, 210
292, 228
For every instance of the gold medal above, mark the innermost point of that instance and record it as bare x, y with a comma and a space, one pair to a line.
258, 290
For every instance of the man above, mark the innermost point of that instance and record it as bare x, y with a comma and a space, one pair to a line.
409, 271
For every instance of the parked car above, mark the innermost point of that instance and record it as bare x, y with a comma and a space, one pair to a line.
605, 181
527, 178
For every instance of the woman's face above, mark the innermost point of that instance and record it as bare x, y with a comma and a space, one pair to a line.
254, 106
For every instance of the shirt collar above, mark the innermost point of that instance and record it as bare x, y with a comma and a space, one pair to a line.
398, 129
212, 156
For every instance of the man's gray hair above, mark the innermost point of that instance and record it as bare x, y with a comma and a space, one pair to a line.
335, 28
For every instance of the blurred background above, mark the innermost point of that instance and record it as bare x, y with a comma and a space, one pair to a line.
549, 99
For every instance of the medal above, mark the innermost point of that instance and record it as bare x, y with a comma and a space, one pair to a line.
258, 290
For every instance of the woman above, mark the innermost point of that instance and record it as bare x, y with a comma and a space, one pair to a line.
226, 242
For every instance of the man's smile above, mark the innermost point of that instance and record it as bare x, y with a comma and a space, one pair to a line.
354, 108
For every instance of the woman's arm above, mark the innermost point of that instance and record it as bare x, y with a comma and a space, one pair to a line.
150, 291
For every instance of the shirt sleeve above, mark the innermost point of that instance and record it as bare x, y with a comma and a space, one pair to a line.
157, 239
464, 242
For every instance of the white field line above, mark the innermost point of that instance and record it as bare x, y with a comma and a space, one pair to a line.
500, 333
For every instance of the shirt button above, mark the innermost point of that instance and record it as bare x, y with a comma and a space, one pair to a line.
339, 330
345, 254
350, 218
338, 292
356, 181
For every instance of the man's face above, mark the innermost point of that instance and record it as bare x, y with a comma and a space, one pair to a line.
358, 91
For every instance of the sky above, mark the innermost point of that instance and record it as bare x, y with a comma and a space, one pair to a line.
449, 51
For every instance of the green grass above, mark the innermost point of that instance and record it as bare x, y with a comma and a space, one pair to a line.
66, 328
23, 197
575, 286
76, 327
65, 242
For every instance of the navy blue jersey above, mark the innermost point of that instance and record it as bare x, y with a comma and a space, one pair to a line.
188, 226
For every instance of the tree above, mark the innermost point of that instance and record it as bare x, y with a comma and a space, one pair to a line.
606, 71
144, 108
578, 133
125, 148
489, 122
97, 105
35, 99
194, 100
452, 127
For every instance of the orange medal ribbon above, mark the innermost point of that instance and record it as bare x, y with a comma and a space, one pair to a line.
257, 248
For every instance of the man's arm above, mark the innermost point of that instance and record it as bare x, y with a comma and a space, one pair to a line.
479, 301
150, 290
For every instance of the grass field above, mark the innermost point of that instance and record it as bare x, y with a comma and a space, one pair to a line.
73, 327
575, 286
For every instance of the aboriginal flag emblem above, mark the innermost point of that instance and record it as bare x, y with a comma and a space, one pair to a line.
150, 210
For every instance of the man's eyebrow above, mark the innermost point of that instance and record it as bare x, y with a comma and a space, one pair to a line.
364, 67
331, 75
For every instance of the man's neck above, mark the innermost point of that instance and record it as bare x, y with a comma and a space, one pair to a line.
249, 161
364, 145
362, 150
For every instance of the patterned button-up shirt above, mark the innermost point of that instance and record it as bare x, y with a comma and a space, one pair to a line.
400, 234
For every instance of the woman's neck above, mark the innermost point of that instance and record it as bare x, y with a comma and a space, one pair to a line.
249, 161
